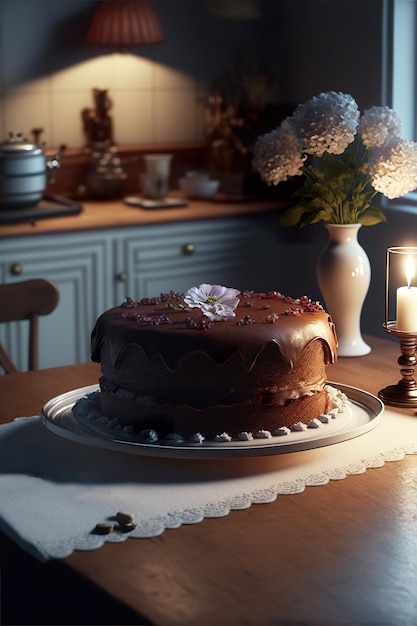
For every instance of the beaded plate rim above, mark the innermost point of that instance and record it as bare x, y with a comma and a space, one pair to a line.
365, 414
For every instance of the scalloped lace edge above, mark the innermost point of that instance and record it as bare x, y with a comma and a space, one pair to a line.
157, 525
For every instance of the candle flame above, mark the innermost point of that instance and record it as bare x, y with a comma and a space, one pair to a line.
409, 270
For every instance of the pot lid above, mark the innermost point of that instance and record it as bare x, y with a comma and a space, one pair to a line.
17, 145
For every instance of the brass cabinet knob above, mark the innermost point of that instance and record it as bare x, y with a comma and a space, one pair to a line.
121, 277
16, 269
188, 248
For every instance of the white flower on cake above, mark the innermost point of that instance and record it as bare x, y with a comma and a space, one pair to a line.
215, 301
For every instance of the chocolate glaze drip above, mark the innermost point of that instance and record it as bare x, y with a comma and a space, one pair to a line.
173, 340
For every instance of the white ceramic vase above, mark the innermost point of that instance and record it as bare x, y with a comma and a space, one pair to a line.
344, 274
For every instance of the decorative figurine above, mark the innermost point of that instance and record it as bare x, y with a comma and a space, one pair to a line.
105, 178
97, 123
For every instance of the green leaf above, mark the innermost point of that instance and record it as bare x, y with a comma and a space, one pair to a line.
336, 189
292, 216
313, 217
372, 216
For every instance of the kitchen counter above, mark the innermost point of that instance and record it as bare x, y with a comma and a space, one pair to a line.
116, 213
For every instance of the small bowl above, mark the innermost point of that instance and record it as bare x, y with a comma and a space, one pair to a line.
198, 188
197, 174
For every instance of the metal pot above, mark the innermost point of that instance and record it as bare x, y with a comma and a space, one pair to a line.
23, 172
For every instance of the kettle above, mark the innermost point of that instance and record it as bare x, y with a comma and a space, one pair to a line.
23, 172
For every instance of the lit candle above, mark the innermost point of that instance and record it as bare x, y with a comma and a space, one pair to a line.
407, 301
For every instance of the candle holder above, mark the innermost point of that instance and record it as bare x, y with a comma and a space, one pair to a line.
401, 298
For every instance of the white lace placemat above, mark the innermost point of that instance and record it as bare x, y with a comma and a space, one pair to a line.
53, 492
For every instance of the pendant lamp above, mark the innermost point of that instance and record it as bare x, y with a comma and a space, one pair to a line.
125, 23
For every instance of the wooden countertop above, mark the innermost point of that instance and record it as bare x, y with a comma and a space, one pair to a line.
116, 214
343, 553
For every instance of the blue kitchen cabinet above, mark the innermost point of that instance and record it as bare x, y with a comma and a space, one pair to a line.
79, 264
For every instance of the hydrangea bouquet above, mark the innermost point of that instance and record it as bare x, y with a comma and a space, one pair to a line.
345, 158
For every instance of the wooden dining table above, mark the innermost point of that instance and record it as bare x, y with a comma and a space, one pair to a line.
341, 553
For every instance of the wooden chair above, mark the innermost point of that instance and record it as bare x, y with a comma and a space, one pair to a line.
26, 300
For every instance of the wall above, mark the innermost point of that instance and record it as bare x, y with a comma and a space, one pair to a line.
159, 92
327, 45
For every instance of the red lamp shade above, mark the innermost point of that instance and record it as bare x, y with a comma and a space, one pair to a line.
125, 23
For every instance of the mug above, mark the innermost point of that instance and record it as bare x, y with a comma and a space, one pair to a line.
158, 164
154, 186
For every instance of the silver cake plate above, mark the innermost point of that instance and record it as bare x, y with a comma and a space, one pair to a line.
363, 412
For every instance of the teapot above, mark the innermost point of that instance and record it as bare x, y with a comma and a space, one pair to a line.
23, 172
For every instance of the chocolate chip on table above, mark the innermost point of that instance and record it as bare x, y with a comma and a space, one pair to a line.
124, 521
103, 528
127, 528
124, 518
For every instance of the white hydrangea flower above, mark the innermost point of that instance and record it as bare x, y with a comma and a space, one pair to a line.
393, 168
215, 301
326, 123
277, 155
377, 125
346, 160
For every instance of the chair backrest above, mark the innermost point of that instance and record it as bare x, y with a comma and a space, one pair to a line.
26, 300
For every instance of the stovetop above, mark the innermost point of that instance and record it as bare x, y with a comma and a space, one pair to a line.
48, 206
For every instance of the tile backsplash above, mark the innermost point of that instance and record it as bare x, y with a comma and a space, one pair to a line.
151, 103
47, 85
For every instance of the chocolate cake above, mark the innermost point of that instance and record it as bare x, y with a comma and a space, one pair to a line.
214, 360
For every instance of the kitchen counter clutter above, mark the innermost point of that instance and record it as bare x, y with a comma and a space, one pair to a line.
117, 213
112, 250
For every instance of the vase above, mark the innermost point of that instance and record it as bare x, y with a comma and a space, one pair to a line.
344, 274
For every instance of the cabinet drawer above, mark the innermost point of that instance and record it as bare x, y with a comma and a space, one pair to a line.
220, 251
